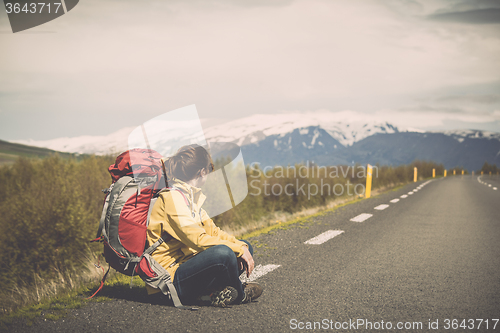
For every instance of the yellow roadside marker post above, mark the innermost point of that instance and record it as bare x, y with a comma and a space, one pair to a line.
368, 191
462, 172
445, 173
453, 172
433, 173
472, 173
415, 174
481, 173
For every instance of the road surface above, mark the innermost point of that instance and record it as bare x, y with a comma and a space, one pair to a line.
423, 260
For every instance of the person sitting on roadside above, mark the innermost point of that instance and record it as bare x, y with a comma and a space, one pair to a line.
204, 262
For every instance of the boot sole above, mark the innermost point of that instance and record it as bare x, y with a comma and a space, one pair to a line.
224, 298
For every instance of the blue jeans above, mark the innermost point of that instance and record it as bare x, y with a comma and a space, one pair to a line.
212, 269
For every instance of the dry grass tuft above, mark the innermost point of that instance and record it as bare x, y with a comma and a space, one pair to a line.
44, 289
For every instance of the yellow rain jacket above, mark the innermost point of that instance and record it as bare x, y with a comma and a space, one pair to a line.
191, 229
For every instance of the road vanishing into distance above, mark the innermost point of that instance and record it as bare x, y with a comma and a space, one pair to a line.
425, 257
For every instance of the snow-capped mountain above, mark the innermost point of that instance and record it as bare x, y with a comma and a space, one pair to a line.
461, 135
327, 138
86, 144
242, 132
257, 127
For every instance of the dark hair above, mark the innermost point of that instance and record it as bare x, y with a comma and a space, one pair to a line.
187, 163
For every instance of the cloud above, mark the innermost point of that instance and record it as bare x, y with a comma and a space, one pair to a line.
467, 12
406, 7
422, 117
467, 5
478, 16
481, 99
114, 64
472, 109
430, 118
496, 114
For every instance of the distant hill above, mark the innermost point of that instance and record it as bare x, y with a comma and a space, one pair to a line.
9, 152
313, 144
325, 138
469, 152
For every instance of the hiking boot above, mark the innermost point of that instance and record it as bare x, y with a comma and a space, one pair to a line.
252, 291
220, 298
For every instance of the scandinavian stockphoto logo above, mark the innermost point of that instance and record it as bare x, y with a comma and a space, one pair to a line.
226, 185
28, 14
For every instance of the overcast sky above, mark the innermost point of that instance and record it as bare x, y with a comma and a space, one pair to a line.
110, 64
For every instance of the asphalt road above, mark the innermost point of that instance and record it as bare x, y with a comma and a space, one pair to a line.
493, 180
432, 258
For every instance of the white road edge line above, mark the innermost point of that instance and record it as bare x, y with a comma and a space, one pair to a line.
258, 272
361, 217
394, 200
381, 207
327, 235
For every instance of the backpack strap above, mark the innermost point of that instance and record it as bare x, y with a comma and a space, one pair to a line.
105, 274
163, 281
120, 183
180, 191
151, 204
101, 230
173, 294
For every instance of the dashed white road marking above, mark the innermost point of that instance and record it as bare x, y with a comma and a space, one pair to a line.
394, 200
258, 272
404, 196
327, 235
415, 190
381, 207
410, 193
361, 217
485, 183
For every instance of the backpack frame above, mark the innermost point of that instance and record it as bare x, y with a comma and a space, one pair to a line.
137, 179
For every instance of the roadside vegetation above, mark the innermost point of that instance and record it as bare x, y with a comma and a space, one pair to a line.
50, 208
488, 169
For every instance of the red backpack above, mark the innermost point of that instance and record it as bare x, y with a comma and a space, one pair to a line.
137, 179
